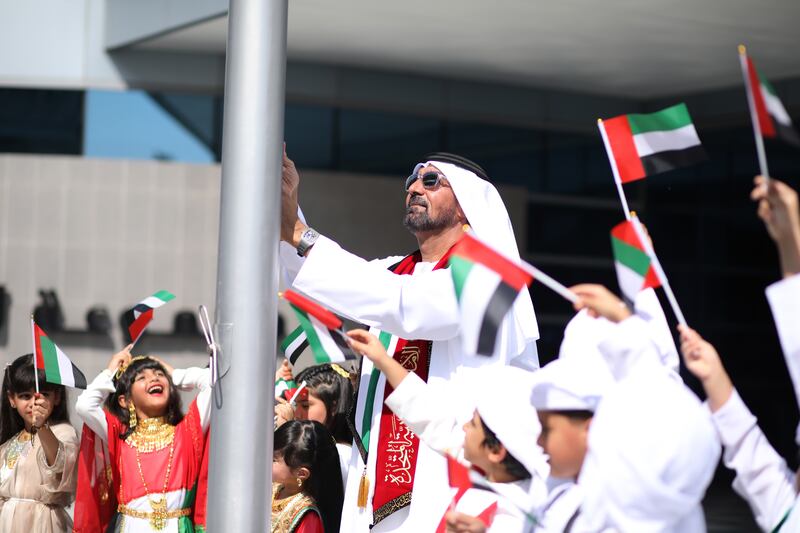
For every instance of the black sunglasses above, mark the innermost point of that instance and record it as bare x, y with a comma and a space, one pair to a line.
430, 179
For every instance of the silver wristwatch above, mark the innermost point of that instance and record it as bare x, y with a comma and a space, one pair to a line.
307, 240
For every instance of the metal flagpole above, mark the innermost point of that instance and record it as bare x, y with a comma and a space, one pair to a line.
751, 103
240, 467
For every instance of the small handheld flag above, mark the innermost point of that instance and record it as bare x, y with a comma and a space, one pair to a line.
58, 368
767, 113
143, 313
487, 284
294, 344
640, 145
319, 328
634, 267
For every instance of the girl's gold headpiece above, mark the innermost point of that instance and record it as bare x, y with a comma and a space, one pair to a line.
121, 370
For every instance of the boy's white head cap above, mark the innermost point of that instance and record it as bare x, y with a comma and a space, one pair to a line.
570, 385
507, 411
577, 380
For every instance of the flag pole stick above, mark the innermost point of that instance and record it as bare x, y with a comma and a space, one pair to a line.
549, 282
751, 103
134, 341
673, 302
35, 365
614, 169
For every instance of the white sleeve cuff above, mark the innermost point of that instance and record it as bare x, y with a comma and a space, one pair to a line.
412, 386
104, 382
733, 420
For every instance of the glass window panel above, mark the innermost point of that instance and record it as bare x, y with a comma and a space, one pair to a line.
132, 125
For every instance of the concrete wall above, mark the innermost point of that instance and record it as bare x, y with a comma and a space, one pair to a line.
110, 232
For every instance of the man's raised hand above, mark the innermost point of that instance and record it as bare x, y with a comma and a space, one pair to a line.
290, 185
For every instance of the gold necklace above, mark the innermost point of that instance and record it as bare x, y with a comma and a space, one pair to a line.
151, 435
16, 448
158, 519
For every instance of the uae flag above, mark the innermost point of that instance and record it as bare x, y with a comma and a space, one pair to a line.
143, 312
56, 365
640, 145
321, 330
635, 271
773, 120
294, 344
486, 284
463, 477
283, 385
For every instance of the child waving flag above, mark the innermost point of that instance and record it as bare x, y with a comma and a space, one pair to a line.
142, 460
38, 452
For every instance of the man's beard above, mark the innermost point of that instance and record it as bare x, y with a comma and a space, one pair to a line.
419, 221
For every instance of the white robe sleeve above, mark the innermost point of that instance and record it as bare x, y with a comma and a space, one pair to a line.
762, 477
427, 413
89, 405
192, 378
784, 300
413, 307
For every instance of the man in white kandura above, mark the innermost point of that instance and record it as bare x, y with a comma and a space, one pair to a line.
410, 303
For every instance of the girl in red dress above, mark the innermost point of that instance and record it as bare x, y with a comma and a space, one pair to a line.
141, 457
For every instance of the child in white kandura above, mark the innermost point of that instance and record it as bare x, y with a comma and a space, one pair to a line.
499, 439
39, 451
763, 478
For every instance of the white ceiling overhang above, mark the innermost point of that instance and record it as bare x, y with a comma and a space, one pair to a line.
630, 48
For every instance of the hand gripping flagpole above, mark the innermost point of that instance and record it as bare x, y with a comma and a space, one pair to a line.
751, 103
35, 366
614, 169
673, 302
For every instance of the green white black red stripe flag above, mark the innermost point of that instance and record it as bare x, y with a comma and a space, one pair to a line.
634, 267
486, 284
769, 112
640, 145
143, 312
322, 329
294, 344
58, 368
637, 264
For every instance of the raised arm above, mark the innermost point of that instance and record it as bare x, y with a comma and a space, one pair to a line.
189, 379
421, 306
778, 208
89, 405
425, 409
762, 477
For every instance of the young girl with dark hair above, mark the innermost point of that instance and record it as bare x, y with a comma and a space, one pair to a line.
38, 452
330, 396
307, 492
154, 453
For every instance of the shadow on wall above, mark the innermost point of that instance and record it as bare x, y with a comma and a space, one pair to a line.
5, 304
